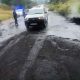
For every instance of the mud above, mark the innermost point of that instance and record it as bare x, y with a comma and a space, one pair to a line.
49, 54
14, 57
76, 20
59, 59
56, 59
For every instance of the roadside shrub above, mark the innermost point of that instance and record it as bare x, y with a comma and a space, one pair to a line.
5, 12
51, 7
61, 8
5, 7
79, 8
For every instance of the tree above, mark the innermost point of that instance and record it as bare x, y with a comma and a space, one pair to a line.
15, 2
6, 2
56, 1
18, 2
27, 3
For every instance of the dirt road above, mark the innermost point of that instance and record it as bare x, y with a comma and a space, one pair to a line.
49, 54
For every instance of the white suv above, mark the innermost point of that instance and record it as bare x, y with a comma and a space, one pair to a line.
36, 17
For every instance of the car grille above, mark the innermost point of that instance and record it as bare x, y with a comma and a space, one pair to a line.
33, 19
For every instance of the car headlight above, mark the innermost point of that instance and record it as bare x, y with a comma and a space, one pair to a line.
26, 19
41, 18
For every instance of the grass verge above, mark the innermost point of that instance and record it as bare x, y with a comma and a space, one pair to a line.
5, 12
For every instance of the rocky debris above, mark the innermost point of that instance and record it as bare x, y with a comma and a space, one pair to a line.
54, 58
76, 20
59, 59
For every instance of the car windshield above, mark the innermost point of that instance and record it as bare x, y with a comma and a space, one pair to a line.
35, 11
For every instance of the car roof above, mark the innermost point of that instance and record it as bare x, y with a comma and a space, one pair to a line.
36, 8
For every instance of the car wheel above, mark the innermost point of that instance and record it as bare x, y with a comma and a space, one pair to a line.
45, 24
27, 26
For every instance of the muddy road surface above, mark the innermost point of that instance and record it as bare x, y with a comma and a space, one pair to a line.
48, 54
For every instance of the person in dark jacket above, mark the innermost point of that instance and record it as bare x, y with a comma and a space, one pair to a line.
23, 13
15, 17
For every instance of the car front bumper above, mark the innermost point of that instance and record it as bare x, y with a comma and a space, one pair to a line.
34, 22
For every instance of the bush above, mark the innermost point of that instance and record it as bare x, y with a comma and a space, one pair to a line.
62, 8
5, 7
51, 7
79, 8
5, 12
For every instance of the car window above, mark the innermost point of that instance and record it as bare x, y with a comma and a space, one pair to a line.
36, 11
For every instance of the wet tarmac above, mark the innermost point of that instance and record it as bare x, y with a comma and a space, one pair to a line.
52, 53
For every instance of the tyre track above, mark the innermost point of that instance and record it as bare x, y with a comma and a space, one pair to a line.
32, 57
11, 43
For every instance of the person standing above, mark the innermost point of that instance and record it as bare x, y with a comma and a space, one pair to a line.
23, 13
15, 17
